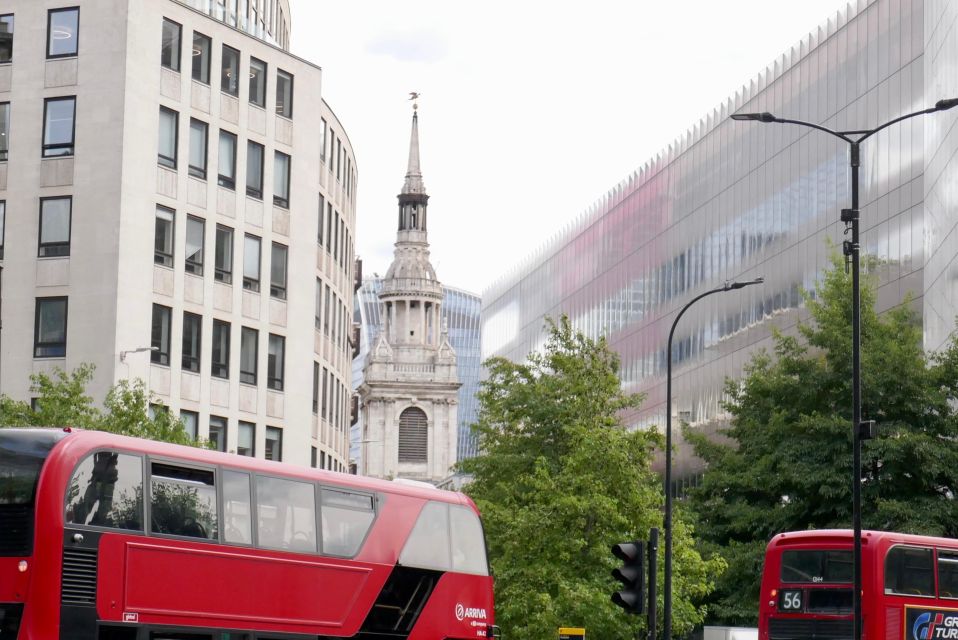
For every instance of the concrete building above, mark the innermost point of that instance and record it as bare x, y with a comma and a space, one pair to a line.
460, 314
409, 394
176, 182
733, 200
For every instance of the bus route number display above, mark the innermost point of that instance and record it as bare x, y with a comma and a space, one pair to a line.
930, 624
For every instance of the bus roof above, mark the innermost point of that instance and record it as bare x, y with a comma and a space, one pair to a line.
79, 441
845, 536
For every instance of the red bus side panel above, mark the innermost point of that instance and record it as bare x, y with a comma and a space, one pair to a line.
460, 607
202, 585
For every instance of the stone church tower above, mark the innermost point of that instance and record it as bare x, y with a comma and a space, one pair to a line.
409, 396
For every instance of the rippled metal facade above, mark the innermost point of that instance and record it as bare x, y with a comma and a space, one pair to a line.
460, 313
737, 200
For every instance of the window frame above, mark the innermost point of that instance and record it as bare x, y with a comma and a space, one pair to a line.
207, 59
263, 76
252, 191
251, 454
195, 170
41, 245
190, 363
162, 160
76, 51
158, 355
276, 375
166, 259
12, 35
287, 111
249, 377
279, 444
281, 200
222, 422
5, 129
223, 72
220, 368
193, 265
278, 290
176, 57
3, 225
228, 182
37, 344
250, 283
224, 273
70, 147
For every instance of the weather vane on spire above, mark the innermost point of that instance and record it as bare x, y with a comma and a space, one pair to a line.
414, 96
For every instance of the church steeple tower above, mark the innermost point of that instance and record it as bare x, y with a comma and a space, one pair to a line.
410, 393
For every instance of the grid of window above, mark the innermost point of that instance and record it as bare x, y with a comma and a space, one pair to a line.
160, 335
63, 30
55, 214
58, 126
50, 328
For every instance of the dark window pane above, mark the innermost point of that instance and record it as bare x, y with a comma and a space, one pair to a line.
254, 170
221, 349
218, 433
284, 94
183, 501
910, 571
58, 126
4, 128
107, 491
163, 242
198, 146
6, 38
227, 160
249, 350
277, 268
274, 444
160, 336
281, 179
192, 341
275, 362
224, 254
50, 330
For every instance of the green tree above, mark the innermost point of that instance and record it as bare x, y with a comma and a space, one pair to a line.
559, 481
61, 400
787, 464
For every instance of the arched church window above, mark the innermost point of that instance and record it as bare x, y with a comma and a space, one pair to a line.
413, 436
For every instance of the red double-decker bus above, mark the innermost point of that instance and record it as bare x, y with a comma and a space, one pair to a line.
909, 587
104, 537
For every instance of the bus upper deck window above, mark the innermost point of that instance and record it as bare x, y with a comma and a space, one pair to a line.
909, 571
107, 491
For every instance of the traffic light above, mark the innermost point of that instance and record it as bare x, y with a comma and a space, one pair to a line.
631, 574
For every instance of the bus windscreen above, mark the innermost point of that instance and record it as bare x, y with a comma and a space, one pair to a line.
817, 566
22, 452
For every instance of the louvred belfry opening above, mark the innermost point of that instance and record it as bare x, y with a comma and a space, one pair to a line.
413, 436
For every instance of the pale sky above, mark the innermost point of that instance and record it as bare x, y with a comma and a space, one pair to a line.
531, 110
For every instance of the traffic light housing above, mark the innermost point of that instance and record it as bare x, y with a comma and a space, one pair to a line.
631, 574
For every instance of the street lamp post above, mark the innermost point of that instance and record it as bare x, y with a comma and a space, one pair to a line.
667, 591
851, 249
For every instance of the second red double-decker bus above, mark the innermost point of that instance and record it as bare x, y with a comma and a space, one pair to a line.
909, 587
104, 537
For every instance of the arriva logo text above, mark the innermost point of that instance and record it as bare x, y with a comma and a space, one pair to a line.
473, 613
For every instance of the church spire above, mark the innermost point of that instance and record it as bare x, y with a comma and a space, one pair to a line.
413, 199
413, 182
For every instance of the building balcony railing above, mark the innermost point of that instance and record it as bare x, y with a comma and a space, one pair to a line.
406, 286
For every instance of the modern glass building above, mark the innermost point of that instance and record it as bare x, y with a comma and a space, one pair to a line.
460, 313
737, 200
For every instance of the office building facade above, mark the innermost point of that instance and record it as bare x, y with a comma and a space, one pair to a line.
181, 206
738, 200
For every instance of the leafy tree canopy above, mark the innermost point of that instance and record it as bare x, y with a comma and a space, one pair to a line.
559, 481
787, 464
62, 401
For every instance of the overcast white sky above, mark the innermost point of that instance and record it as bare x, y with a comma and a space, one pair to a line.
531, 109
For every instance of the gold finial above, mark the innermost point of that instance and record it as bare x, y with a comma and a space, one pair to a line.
414, 96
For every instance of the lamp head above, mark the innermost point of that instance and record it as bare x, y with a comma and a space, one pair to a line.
743, 283
765, 116
944, 105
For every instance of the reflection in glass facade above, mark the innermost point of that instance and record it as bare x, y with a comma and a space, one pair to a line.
738, 200
460, 313
267, 20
